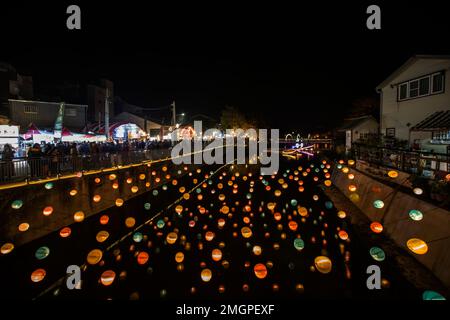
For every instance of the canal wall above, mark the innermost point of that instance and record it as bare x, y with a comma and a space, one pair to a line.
42, 207
434, 228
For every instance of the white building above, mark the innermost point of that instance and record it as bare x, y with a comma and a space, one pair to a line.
417, 91
358, 129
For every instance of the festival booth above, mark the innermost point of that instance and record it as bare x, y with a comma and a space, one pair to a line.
9, 135
69, 136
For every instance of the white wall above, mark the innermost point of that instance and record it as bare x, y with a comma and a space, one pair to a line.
369, 126
397, 115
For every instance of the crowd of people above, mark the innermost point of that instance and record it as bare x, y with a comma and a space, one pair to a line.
46, 159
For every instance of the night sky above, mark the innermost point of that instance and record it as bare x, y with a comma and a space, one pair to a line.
297, 66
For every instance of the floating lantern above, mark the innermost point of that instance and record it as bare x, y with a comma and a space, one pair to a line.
327, 183
271, 206
42, 253
378, 204
94, 256
6, 248
23, 227
303, 211
65, 232
112, 176
299, 244
102, 236
351, 176
432, 295
416, 215
130, 222
328, 204
147, 206
97, 180
293, 225
48, 186
115, 185
351, 162
393, 174
171, 238
417, 246
137, 237
107, 277
97, 198
376, 227
119, 202
377, 254
141, 176
294, 202
160, 224
209, 236
225, 210
47, 211
315, 197
134, 189
142, 258
179, 209
78, 216
343, 235
352, 188
418, 191
257, 250
277, 193
260, 271
206, 275
323, 264
17, 204
104, 219
341, 214
38, 275
216, 254
246, 232
179, 257
354, 197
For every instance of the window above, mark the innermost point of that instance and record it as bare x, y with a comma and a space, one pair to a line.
30, 109
71, 112
441, 135
390, 132
414, 89
424, 86
438, 83
403, 91
421, 87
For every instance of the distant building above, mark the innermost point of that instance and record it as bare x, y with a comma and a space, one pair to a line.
14, 85
417, 91
43, 114
358, 129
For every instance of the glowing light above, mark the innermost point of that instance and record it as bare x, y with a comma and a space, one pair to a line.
6, 248
299, 244
417, 246
378, 204
206, 275
23, 227
260, 271
376, 227
179, 257
102, 236
343, 235
216, 254
341, 214
94, 256
418, 191
142, 257
171, 238
130, 222
42, 253
416, 215
119, 202
17, 204
97, 198
432, 295
65, 232
38, 275
257, 250
246, 232
179, 209
104, 219
393, 174
323, 264
78, 216
352, 188
377, 254
107, 277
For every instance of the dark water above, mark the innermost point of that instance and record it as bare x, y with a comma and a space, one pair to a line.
288, 269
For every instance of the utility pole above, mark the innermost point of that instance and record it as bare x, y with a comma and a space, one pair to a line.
107, 114
174, 122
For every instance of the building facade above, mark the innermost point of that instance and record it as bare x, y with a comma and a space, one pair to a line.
43, 114
416, 91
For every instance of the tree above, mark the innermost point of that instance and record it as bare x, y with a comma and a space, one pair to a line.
232, 118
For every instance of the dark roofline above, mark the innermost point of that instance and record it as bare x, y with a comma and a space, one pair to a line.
407, 64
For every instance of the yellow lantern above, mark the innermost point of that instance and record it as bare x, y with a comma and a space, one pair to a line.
206, 275
417, 246
78, 216
94, 256
323, 264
